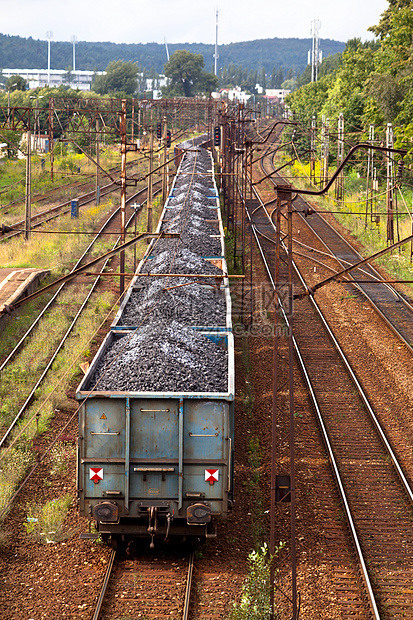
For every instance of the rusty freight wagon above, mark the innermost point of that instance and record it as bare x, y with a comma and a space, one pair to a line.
155, 454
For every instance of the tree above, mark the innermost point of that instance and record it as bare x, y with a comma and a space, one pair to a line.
119, 77
16, 82
184, 69
208, 83
385, 24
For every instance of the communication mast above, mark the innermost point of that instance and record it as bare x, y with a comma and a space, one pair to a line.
216, 55
315, 54
73, 41
166, 47
49, 37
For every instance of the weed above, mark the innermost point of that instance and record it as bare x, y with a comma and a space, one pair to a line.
46, 523
59, 457
12, 469
255, 595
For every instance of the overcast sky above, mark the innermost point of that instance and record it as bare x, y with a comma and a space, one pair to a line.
180, 21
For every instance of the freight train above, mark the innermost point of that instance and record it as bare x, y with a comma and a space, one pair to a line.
156, 422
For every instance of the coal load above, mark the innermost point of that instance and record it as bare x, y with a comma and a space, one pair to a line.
162, 358
187, 213
182, 261
190, 302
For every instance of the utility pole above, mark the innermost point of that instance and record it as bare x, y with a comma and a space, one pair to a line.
340, 157
324, 149
312, 149
216, 55
370, 169
28, 201
122, 127
51, 138
73, 41
97, 161
150, 181
390, 185
164, 160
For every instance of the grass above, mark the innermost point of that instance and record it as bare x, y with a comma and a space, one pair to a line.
65, 167
45, 523
50, 250
58, 253
371, 235
17, 379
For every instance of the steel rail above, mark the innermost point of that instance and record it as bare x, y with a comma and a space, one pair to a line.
105, 584
187, 599
78, 263
326, 438
57, 211
61, 210
66, 335
357, 285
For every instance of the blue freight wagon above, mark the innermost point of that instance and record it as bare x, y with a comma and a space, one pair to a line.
156, 464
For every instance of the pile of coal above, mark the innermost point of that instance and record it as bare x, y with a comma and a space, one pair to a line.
162, 358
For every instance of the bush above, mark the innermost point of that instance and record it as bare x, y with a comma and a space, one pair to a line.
255, 596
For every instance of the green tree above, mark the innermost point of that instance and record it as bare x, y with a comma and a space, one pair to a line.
120, 77
184, 70
385, 24
16, 82
208, 83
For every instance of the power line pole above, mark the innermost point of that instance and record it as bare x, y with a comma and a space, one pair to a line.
150, 182
28, 202
324, 149
97, 161
340, 157
370, 172
73, 41
390, 185
312, 149
122, 128
164, 160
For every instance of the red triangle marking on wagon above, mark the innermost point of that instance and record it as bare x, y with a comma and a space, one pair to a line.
96, 473
211, 475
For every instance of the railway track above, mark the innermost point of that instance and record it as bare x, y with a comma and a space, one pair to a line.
156, 587
382, 296
111, 224
375, 494
47, 215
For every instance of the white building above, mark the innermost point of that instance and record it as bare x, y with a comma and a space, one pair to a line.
277, 93
233, 94
36, 78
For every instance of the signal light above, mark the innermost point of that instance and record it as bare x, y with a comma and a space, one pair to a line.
168, 138
217, 136
159, 131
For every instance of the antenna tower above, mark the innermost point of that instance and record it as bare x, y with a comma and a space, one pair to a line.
216, 55
315, 52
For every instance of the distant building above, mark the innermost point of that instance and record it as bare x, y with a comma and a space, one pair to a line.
233, 94
36, 78
276, 94
82, 80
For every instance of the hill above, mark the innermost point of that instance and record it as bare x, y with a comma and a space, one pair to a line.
20, 53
